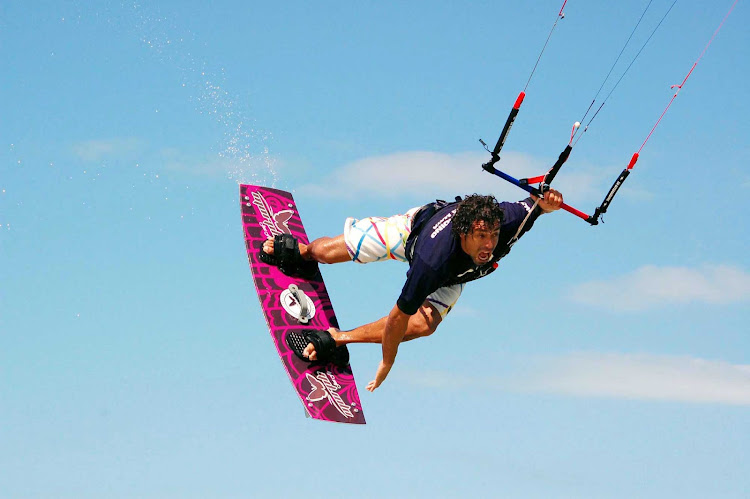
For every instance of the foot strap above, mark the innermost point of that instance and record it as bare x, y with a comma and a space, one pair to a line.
325, 346
286, 256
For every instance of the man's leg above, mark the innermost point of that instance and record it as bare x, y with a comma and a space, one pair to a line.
323, 250
371, 239
423, 323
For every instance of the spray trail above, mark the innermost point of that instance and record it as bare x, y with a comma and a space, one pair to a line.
245, 150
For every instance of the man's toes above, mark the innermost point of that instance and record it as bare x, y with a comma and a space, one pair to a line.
310, 352
268, 246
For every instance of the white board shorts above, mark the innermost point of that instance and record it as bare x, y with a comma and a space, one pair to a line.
377, 239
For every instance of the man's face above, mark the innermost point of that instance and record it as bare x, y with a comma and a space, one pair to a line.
480, 242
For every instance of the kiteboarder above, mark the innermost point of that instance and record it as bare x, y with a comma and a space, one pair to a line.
446, 246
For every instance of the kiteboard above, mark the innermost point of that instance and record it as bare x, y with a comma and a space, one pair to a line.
328, 393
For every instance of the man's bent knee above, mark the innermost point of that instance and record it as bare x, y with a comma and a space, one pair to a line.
424, 322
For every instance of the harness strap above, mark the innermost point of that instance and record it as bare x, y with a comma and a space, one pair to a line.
520, 227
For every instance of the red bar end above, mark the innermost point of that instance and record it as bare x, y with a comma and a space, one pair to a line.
633, 161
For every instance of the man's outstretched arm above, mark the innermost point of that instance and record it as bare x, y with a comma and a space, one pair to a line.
395, 329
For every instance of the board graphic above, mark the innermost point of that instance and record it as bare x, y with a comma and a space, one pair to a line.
328, 393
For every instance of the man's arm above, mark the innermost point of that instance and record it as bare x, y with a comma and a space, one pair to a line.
395, 329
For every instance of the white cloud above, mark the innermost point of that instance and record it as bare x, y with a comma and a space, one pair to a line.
618, 376
239, 166
651, 286
441, 174
97, 150
641, 377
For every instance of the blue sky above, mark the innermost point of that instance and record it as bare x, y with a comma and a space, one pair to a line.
609, 361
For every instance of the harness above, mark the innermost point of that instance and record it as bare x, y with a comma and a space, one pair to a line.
421, 217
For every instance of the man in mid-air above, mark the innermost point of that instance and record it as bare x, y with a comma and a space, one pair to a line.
446, 246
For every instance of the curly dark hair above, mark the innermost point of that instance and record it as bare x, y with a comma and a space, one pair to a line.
475, 208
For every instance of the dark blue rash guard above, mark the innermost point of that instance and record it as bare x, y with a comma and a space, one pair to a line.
437, 260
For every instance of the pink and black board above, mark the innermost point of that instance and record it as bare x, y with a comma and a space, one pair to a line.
328, 393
